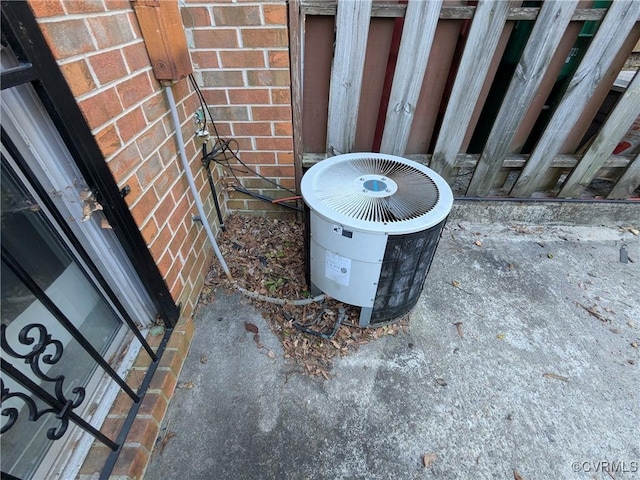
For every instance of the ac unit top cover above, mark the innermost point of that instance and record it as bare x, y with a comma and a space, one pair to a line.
377, 193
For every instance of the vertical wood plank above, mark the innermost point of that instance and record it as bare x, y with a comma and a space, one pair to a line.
420, 23
375, 66
352, 31
317, 53
606, 43
549, 28
486, 29
295, 51
619, 121
629, 181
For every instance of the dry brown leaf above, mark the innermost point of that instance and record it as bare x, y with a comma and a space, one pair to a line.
185, 385
478, 243
428, 459
271, 354
203, 359
250, 327
517, 476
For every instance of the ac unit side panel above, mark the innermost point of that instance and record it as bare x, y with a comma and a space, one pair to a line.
407, 260
348, 280
354, 244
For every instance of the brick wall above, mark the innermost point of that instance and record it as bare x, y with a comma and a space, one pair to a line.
240, 55
101, 53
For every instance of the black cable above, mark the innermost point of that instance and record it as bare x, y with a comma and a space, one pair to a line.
327, 336
224, 145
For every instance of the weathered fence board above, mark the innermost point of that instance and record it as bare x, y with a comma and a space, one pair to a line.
352, 30
543, 41
486, 29
417, 36
470, 160
614, 29
619, 121
629, 181
423, 76
448, 12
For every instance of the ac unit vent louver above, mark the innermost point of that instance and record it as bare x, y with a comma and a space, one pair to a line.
376, 189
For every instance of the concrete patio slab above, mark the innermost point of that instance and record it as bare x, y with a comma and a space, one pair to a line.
538, 379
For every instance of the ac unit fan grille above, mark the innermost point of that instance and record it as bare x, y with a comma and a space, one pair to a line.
416, 193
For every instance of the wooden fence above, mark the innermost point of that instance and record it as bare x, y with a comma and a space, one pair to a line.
501, 98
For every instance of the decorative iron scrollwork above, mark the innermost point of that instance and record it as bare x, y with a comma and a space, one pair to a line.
37, 334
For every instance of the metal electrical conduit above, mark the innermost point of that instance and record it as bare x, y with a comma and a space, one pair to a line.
205, 222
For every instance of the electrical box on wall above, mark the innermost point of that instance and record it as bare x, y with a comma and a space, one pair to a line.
164, 38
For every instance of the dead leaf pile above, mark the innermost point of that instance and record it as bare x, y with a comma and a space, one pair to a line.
266, 256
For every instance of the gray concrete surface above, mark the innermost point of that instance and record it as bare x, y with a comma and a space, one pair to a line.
481, 404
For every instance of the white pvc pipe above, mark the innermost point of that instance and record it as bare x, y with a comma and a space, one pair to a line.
192, 184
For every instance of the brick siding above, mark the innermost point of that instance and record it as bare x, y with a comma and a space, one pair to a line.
240, 54
239, 51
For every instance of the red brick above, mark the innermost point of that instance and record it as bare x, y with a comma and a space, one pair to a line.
284, 129
149, 170
155, 107
275, 14
112, 30
68, 37
112, 426
195, 17
271, 113
173, 359
258, 158
249, 96
242, 59
108, 140
78, 77
84, 6
215, 96
144, 431
131, 463
223, 78
264, 37
252, 128
144, 206
150, 140
285, 158
179, 235
237, 15
95, 460
149, 231
274, 143
205, 59
134, 189
131, 124
270, 171
164, 263
101, 107
108, 66
275, 78
160, 243
281, 96
136, 56
46, 8
163, 183
216, 38
135, 89
154, 405
230, 113
113, 5
176, 290
278, 58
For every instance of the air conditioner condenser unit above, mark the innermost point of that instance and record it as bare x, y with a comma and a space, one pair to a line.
374, 225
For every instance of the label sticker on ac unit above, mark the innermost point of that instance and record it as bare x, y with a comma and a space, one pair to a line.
338, 268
